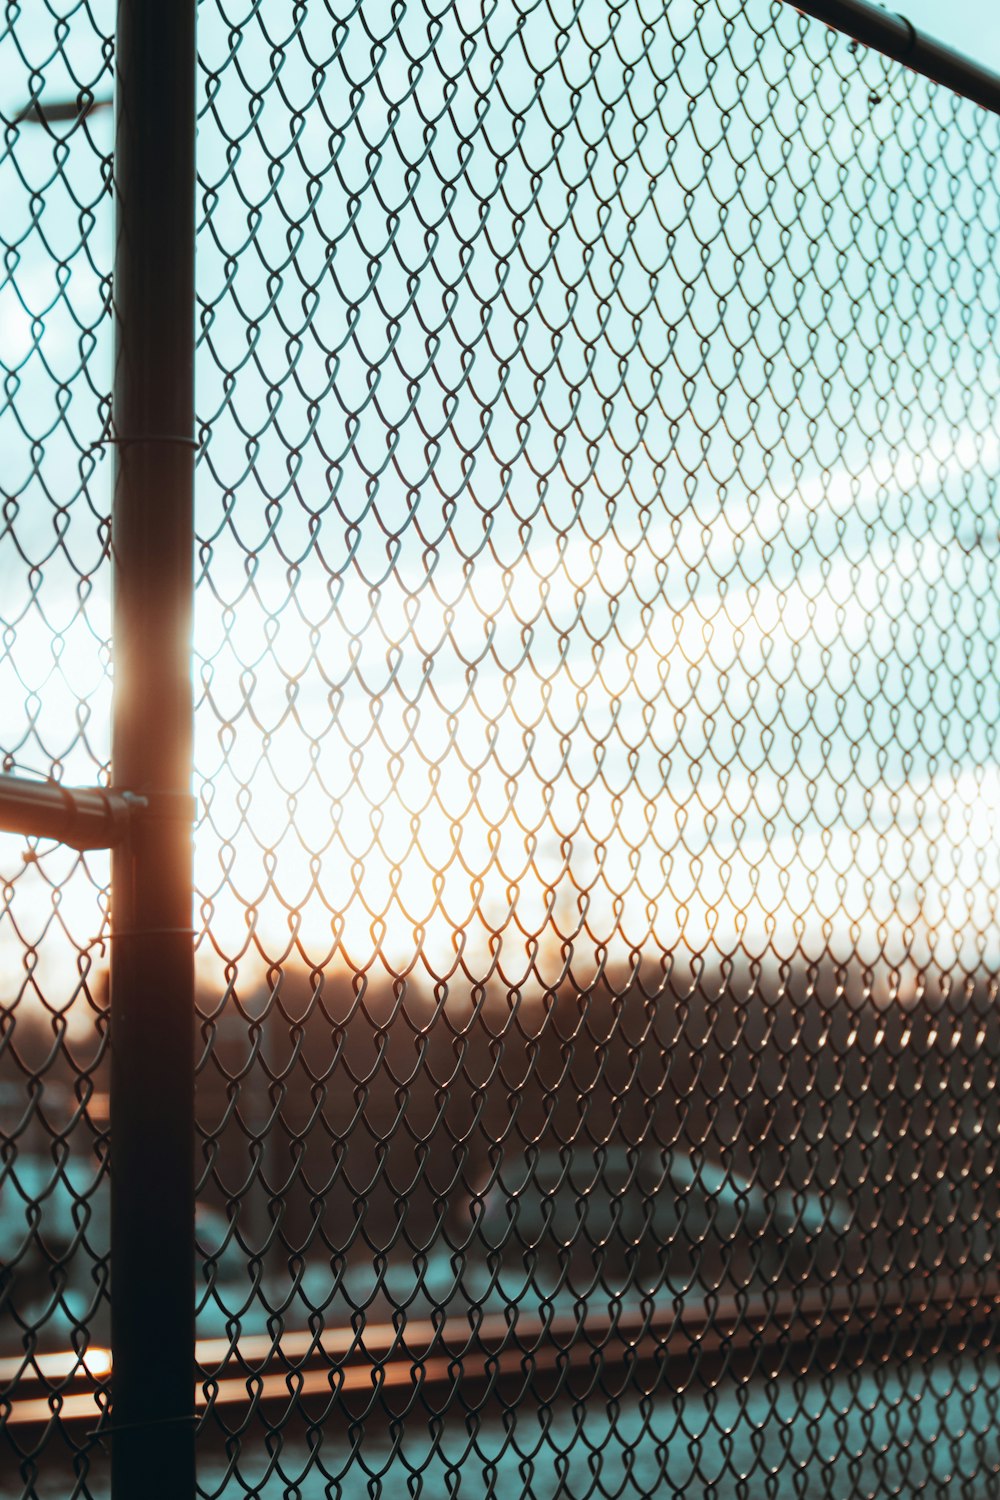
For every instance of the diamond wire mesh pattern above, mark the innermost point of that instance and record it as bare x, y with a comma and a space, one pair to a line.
596, 658
597, 734
55, 361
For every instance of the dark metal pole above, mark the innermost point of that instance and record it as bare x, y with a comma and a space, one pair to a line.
897, 38
152, 973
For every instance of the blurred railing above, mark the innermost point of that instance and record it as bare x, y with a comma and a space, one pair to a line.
487, 1360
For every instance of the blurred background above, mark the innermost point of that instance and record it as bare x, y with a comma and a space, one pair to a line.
595, 664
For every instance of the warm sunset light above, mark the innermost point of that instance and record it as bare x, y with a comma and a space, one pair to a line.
499, 776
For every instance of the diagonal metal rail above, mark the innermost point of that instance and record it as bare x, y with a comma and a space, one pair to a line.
898, 38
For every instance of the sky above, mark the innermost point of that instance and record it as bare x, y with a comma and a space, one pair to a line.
971, 26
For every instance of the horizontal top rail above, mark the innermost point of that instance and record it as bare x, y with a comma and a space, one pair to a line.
83, 817
899, 39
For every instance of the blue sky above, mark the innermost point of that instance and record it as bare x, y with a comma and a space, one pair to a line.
973, 26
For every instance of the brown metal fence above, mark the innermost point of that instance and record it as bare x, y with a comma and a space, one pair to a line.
595, 706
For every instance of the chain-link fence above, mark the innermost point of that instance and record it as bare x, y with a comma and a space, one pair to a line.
55, 343
596, 684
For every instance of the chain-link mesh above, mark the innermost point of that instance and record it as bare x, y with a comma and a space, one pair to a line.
596, 657
55, 233
597, 643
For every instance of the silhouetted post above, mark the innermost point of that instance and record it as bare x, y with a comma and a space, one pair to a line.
152, 977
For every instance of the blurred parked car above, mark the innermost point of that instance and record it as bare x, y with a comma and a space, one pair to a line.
613, 1224
643, 1222
55, 1235
553, 1228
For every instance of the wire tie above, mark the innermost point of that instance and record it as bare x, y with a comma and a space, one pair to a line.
116, 1427
149, 437
153, 932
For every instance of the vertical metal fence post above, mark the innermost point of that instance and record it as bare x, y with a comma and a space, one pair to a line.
152, 975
